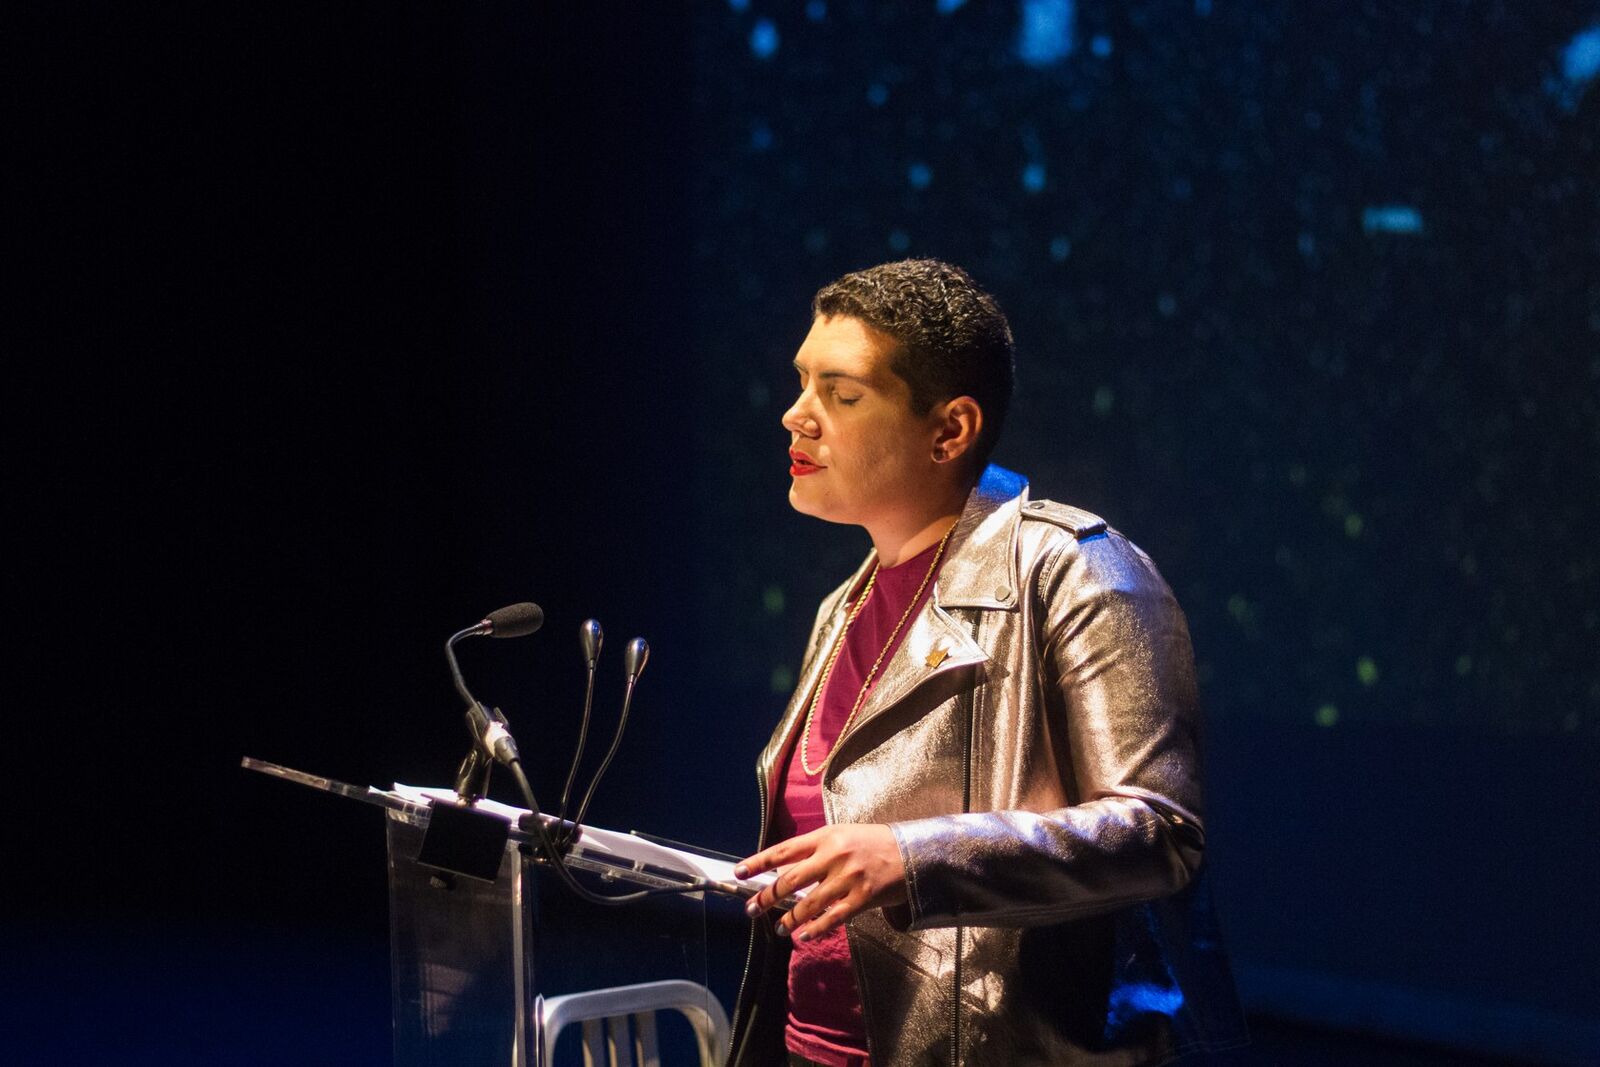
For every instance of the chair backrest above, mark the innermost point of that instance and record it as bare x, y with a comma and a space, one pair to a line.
606, 1014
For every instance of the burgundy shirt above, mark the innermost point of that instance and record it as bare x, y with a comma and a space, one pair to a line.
825, 1022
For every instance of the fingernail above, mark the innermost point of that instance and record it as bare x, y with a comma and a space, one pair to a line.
741, 871
804, 935
752, 908
783, 931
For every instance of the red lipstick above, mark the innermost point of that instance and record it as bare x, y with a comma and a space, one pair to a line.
801, 464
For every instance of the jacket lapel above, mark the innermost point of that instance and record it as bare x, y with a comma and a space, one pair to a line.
934, 646
979, 571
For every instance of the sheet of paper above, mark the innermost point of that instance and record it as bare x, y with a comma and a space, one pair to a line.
609, 843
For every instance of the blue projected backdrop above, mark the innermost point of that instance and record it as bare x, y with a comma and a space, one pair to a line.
1306, 304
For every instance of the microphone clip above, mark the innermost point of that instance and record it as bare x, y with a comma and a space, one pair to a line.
472, 777
491, 743
491, 731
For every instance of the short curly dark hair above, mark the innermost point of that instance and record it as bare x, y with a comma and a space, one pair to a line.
953, 338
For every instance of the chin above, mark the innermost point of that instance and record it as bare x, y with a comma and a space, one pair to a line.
808, 504
798, 501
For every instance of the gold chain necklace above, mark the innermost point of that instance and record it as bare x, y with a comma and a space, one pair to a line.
827, 671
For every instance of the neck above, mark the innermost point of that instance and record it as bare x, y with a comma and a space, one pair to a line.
899, 539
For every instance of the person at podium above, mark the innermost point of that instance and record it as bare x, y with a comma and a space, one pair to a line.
985, 791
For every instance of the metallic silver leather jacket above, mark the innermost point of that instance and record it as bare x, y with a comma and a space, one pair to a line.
1033, 745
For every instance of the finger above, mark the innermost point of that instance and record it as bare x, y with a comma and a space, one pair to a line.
764, 860
831, 919
776, 856
789, 881
815, 902
765, 897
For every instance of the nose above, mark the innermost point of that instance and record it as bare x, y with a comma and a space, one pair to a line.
799, 419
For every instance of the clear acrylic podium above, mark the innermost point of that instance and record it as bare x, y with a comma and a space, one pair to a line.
474, 960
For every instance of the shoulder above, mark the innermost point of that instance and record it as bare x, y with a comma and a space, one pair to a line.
1079, 523
1050, 533
1077, 548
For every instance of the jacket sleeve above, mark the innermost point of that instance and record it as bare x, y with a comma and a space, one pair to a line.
1116, 678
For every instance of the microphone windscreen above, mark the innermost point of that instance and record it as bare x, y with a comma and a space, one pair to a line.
518, 620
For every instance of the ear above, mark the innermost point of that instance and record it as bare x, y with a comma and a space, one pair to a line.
960, 423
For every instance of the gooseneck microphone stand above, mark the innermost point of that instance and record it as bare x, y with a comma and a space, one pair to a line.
492, 743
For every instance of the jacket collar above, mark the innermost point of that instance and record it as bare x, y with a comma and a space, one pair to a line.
976, 572
981, 568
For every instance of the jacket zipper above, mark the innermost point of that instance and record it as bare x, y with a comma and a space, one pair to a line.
741, 1033
737, 1046
966, 802
966, 806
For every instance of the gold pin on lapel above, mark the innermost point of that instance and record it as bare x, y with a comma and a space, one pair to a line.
937, 656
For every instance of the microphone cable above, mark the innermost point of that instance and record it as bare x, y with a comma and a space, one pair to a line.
492, 735
558, 860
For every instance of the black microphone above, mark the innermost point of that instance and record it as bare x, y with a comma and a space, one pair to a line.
515, 620
491, 737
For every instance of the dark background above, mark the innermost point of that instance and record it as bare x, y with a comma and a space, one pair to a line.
338, 325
